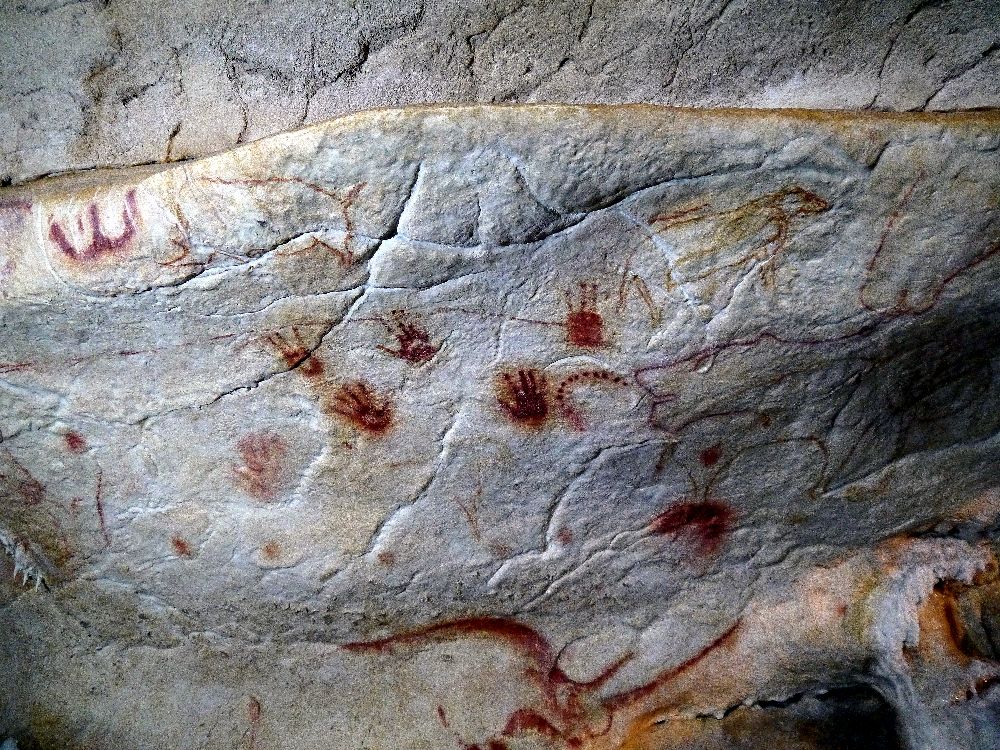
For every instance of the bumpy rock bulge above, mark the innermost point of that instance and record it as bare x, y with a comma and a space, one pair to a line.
507, 428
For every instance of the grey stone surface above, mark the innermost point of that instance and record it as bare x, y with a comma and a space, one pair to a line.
105, 83
508, 428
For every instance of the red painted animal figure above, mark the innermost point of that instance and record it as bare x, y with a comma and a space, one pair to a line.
100, 243
344, 199
413, 342
568, 713
358, 404
524, 397
584, 324
757, 230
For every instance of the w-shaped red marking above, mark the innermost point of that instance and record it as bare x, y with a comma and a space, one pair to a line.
100, 244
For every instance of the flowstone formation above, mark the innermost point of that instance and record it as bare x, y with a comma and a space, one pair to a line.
509, 428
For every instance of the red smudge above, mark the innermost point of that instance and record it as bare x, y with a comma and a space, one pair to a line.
565, 536
523, 396
295, 353
14, 204
23, 482
358, 404
442, 717
413, 342
75, 442
181, 547
710, 456
584, 324
100, 244
500, 550
386, 558
706, 521
312, 367
263, 460
254, 713
99, 503
271, 550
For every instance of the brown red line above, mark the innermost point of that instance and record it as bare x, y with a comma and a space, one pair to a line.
632, 696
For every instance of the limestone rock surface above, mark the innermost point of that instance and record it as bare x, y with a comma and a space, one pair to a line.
509, 427
99, 83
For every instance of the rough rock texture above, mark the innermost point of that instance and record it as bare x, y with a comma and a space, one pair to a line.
88, 83
509, 428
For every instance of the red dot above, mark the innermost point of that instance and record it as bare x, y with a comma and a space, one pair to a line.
75, 442
710, 456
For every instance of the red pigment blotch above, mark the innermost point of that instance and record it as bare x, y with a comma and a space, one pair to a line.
100, 244
294, 352
413, 342
271, 550
565, 536
442, 717
358, 404
386, 558
181, 547
254, 713
707, 522
75, 442
584, 324
263, 457
523, 396
710, 456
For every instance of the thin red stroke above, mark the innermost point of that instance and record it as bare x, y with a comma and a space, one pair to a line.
254, 712
902, 306
258, 182
344, 202
698, 357
632, 696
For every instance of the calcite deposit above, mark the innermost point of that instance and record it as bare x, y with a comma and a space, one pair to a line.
509, 428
